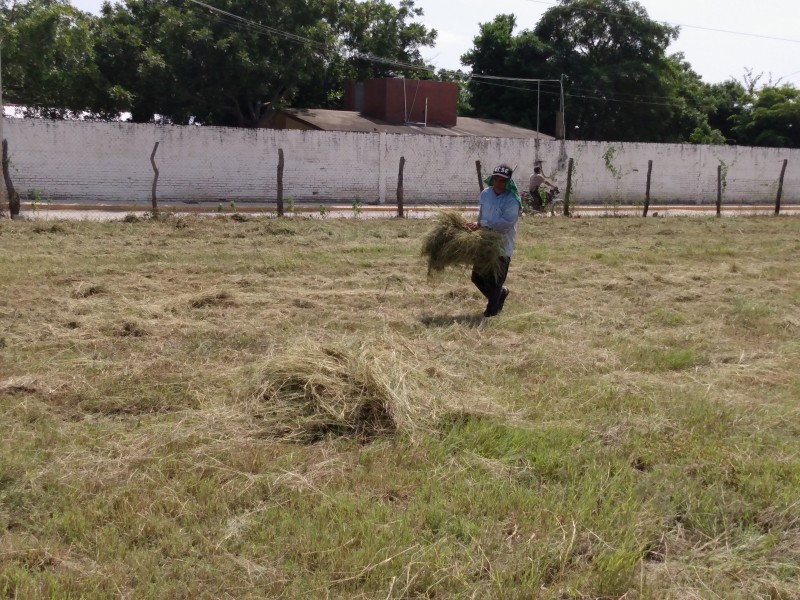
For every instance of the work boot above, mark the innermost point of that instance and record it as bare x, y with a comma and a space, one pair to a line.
503, 296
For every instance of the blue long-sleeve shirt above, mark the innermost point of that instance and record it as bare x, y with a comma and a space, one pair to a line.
500, 213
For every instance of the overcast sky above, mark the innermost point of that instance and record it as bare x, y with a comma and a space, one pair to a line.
715, 55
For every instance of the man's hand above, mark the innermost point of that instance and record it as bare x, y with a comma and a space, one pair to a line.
473, 226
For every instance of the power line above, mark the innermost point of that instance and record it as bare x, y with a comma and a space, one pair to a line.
584, 96
475, 77
549, 82
554, 84
624, 101
319, 46
229, 17
236, 19
514, 78
756, 35
258, 26
514, 87
651, 96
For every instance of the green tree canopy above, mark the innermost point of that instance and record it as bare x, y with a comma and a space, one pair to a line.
187, 61
619, 81
183, 61
177, 59
729, 99
772, 119
49, 63
498, 52
371, 39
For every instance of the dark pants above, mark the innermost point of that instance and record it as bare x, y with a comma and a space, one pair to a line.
536, 200
492, 287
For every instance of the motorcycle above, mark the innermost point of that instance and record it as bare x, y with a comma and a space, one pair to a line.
544, 202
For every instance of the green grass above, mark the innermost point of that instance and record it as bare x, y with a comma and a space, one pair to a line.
628, 427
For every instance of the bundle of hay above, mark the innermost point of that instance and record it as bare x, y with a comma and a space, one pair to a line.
450, 243
313, 392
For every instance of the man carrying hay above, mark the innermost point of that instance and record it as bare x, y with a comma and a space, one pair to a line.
500, 206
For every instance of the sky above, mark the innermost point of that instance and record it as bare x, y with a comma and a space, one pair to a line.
716, 55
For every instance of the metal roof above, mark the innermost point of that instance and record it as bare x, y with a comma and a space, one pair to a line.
345, 120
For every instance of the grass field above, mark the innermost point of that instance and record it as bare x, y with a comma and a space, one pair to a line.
286, 408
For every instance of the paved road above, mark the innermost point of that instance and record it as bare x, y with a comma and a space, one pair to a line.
100, 211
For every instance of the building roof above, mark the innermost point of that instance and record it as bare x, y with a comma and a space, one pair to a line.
346, 120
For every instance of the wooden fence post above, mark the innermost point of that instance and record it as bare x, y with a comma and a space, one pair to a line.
280, 182
568, 193
155, 180
400, 187
647, 191
780, 188
480, 177
13, 196
719, 190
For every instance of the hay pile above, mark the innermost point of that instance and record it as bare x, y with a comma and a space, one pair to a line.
314, 391
450, 243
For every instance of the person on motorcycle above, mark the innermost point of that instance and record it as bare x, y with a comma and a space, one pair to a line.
538, 180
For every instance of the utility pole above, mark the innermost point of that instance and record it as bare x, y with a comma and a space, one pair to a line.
563, 115
3, 190
561, 126
538, 103
2, 108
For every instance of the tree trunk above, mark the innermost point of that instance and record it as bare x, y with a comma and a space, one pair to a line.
155, 180
13, 196
280, 182
236, 110
780, 188
400, 187
568, 192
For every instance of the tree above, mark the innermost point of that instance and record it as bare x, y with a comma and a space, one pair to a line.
614, 62
373, 39
772, 119
187, 63
498, 52
729, 99
620, 83
182, 62
690, 107
376, 29
704, 134
48, 57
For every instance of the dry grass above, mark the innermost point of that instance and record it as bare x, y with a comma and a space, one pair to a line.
314, 391
628, 427
450, 243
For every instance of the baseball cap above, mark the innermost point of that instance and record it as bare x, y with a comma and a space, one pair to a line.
503, 171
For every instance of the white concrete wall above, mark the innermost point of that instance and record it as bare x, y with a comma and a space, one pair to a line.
77, 161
